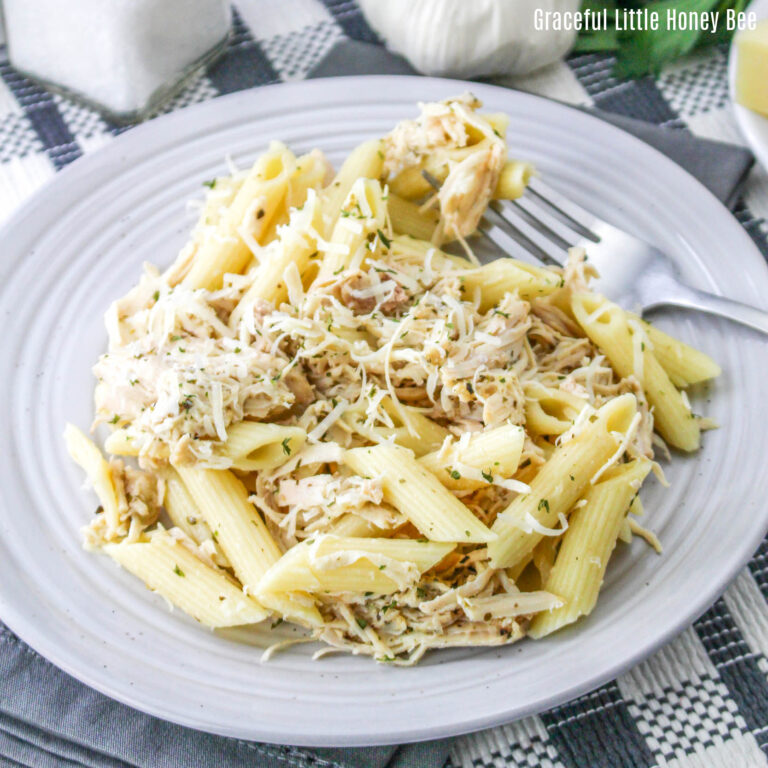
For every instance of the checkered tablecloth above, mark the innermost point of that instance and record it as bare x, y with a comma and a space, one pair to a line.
700, 702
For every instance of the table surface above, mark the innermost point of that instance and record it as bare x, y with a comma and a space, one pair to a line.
703, 699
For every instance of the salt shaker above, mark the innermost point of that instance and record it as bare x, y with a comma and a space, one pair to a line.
123, 57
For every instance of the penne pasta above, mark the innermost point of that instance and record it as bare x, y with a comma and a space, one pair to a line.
408, 218
171, 570
366, 162
422, 251
607, 326
493, 455
409, 184
312, 173
559, 483
417, 431
362, 217
85, 453
498, 278
294, 248
252, 210
234, 522
354, 526
418, 494
513, 180
254, 445
577, 574
684, 364
242, 535
550, 411
334, 564
186, 515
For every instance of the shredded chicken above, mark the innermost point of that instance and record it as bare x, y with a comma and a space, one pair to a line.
462, 149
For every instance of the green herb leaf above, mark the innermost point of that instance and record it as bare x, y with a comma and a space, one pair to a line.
384, 239
642, 52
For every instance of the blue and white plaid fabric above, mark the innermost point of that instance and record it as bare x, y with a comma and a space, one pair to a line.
700, 702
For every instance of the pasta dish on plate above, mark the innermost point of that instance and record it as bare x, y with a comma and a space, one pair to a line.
319, 414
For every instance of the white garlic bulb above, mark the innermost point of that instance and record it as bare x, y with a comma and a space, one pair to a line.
471, 38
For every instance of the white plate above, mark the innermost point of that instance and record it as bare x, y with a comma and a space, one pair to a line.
754, 127
80, 242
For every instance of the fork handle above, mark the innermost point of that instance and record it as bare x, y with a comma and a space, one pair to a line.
692, 298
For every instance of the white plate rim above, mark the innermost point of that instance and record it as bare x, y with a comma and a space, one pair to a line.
131, 142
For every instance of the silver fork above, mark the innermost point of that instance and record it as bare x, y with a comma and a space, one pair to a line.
636, 275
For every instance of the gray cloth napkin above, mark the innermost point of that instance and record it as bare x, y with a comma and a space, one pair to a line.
49, 720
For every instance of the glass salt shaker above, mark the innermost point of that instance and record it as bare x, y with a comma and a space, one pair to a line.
122, 57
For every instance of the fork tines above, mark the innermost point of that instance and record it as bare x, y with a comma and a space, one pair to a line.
542, 223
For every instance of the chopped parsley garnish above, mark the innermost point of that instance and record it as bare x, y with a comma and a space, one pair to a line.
499, 312
544, 504
487, 476
421, 592
382, 567
286, 447
362, 623
156, 295
186, 403
384, 239
178, 571
114, 419
238, 350
455, 474
339, 270
276, 623
175, 337
210, 184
